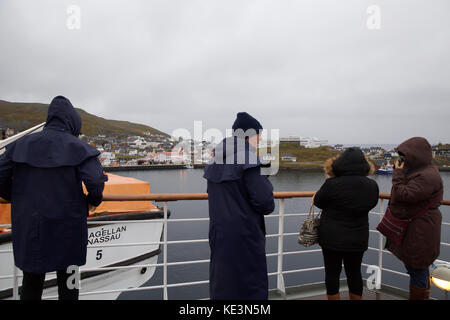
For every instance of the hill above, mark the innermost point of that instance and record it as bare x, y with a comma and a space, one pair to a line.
312, 158
307, 154
22, 116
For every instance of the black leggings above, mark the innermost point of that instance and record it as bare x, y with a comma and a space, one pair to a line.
333, 267
32, 286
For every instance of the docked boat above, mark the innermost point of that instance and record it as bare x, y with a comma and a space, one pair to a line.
386, 168
112, 225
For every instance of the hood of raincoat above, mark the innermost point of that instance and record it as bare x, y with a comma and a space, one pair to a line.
417, 152
351, 162
58, 144
62, 116
231, 158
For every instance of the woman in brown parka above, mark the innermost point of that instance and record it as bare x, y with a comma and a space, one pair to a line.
416, 183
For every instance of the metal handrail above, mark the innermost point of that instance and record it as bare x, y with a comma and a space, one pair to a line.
159, 197
204, 196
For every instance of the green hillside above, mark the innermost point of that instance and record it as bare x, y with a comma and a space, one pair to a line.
306, 157
307, 154
22, 116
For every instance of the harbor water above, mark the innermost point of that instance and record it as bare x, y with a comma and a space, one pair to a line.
191, 181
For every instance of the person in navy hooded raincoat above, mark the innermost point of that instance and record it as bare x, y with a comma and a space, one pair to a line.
239, 197
42, 174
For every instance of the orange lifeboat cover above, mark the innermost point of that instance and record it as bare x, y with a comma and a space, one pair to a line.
5, 214
115, 185
124, 185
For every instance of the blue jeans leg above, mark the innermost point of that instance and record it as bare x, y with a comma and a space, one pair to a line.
418, 277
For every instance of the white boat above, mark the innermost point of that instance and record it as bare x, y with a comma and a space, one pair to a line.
111, 225
386, 168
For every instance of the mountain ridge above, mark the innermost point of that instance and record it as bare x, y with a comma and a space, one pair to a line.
23, 115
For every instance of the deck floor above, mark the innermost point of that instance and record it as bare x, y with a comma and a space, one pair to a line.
367, 295
317, 291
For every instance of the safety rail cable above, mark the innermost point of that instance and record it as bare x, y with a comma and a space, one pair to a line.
204, 196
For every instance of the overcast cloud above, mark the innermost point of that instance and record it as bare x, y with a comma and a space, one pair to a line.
308, 68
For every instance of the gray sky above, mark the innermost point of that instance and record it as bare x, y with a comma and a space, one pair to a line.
308, 68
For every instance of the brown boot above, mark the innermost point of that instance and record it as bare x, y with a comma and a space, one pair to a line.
416, 293
336, 296
353, 296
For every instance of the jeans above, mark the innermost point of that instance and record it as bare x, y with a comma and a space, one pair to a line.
333, 267
419, 277
33, 284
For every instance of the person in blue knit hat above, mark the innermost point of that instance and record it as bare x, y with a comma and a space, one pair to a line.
244, 121
238, 197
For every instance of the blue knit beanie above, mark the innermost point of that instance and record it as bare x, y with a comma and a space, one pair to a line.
245, 121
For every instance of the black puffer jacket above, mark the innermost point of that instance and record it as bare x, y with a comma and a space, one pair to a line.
346, 199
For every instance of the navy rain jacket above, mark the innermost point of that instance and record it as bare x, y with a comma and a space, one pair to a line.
239, 197
42, 174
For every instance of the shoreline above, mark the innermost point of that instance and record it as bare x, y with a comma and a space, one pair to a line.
196, 166
201, 166
149, 167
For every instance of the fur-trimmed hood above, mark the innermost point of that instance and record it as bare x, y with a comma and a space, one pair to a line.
351, 162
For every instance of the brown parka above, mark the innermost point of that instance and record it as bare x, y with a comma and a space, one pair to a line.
412, 189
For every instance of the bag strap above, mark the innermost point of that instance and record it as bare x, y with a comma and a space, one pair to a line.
311, 210
433, 201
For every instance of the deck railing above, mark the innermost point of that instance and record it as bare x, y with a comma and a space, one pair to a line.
165, 198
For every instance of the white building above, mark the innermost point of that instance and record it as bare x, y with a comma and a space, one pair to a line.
179, 157
107, 155
139, 142
288, 157
308, 142
292, 139
105, 162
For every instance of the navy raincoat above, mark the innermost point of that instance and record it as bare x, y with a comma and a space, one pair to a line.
42, 174
239, 197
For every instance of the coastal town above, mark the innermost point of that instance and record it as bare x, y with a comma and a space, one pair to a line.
152, 149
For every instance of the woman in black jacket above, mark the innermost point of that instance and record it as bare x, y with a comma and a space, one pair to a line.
345, 198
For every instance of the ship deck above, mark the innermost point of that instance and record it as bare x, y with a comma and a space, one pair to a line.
317, 291
309, 291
